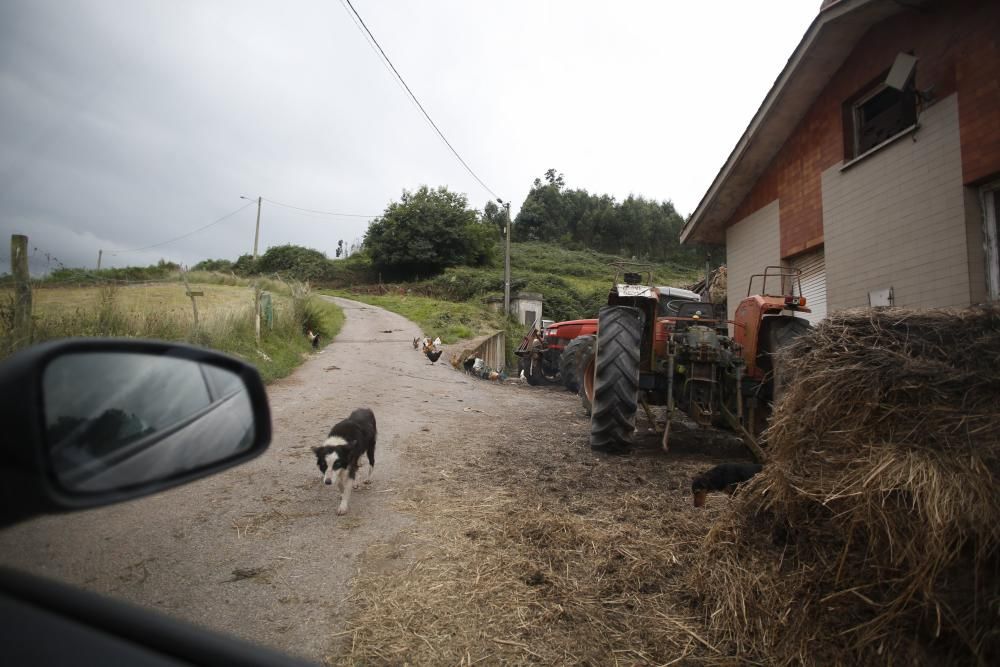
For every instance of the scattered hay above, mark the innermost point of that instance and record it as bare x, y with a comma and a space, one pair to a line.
874, 533
569, 562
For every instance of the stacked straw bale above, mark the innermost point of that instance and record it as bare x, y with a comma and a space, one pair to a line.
873, 534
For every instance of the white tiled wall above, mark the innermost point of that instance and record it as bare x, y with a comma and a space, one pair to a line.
752, 244
897, 219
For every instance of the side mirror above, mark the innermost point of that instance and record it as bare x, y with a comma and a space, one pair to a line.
91, 422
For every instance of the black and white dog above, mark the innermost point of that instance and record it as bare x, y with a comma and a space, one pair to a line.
341, 454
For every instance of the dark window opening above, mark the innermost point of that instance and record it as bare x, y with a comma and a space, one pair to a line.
876, 114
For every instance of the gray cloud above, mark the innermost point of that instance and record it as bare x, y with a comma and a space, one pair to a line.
125, 124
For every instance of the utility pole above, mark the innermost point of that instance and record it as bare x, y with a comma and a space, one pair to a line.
256, 233
256, 289
99, 253
506, 261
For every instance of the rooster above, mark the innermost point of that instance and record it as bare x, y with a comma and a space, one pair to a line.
432, 354
314, 339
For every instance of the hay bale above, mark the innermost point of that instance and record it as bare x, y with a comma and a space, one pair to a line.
717, 286
874, 533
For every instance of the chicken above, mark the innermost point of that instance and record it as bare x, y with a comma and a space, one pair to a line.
433, 355
313, 338
416, 342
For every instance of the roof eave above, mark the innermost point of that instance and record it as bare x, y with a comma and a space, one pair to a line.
820, 53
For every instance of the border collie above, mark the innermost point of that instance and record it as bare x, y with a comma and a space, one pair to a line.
340, 455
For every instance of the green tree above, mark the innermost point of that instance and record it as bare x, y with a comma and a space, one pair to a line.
213, 265
426, 232
245, 265
294, 261
495, 216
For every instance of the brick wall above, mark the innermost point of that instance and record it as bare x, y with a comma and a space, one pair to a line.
751, 245
890, 225
977, 72
963, 56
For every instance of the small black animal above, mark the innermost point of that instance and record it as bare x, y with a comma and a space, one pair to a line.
723, 477
433, 355
340, 455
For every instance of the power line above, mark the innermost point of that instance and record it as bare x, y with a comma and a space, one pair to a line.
182, 236
419, 105
312, 210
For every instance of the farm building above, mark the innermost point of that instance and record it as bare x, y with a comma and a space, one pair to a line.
873, 163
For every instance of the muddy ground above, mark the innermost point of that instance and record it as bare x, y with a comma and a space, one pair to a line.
490, 534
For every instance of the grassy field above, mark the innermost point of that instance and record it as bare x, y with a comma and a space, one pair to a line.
162, 310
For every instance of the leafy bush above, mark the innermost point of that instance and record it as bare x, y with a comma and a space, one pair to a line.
426, 232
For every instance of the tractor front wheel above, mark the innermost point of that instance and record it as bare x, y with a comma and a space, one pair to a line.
569, 363
585, 370
616, 378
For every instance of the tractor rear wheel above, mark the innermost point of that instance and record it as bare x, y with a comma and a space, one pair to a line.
568, 364
781, 332
585, 370
616, 378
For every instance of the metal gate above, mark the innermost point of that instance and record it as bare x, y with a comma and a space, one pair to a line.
813, 268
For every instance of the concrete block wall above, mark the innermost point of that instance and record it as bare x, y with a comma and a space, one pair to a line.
751, 245
897, 219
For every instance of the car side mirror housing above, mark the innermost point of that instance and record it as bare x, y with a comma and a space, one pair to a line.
91, 422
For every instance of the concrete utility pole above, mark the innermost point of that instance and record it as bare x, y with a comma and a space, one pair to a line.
99, 253
506, 260
256, 289
256, 233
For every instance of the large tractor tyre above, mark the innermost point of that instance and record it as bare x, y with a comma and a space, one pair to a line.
781, 333
616, 378
568, 370
585, 370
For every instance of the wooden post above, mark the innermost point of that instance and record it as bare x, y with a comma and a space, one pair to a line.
256, 312
192, 295
22, 289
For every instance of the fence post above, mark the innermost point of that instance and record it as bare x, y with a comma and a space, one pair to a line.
192, 295
256, 312
22, 288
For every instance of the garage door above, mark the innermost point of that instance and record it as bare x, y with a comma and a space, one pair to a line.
813, 269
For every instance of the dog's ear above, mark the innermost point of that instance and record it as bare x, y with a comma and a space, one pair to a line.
318, 451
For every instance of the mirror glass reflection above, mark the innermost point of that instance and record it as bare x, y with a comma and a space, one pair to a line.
115, 419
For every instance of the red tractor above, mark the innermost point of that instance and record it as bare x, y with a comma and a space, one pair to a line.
543, 354
653, 348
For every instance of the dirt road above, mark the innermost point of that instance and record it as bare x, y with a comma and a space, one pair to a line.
259, 552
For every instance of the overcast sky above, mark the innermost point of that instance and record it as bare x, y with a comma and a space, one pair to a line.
125, 124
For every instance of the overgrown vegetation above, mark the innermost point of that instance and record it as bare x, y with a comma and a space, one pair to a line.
162, 311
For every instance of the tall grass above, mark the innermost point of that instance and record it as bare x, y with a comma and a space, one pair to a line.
283, 345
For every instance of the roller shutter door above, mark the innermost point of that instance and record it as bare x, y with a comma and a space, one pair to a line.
813, 269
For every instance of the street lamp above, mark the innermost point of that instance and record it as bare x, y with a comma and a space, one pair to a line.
506, 260
256, 234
